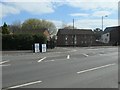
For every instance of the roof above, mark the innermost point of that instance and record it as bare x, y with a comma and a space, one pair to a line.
75, 31
109, 29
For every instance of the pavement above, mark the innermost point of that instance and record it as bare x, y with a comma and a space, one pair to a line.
71, 67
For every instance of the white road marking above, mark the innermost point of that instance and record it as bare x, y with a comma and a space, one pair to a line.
26, 84
72, 51
49, 60
41, 59
4, 62
5, 65
85, 55
68, 56
95, 68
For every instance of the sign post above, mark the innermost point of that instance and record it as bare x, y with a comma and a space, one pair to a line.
43, 47
37, 48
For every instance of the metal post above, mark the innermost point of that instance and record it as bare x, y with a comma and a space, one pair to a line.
102, 20
102, 23
73, 23
73, 34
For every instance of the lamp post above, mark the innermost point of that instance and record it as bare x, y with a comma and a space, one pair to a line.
73, 34
102, 21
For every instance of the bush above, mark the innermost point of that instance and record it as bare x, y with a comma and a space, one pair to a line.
39, 38
21, 41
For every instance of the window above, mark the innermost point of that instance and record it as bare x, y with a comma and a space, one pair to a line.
82, 42
75, 39
107, 35
66, 42
66, 37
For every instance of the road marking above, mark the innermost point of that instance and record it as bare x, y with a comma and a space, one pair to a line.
95, 68
4, 62
41, 59
26, 84
68, 56
85, 55
49, 60
5, 65
72, 51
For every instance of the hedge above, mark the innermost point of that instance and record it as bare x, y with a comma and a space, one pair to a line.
21, 41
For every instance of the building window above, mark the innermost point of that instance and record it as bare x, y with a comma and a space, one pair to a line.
66, 37
66, 43
82, 42
107, 35
75, 39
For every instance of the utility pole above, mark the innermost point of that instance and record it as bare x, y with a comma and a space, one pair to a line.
73, 23
102, 23
73, 34
102, 20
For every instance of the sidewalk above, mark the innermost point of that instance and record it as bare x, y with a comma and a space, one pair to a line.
22, 52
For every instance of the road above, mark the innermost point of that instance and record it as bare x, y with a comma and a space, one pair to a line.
88, 67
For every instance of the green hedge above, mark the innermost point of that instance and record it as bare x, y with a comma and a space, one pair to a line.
21, 41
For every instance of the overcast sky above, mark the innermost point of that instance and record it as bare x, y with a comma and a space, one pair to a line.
87, 13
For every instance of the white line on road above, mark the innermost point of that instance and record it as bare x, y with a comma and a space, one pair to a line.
5, 65
41, 59
26, 84
68, 56
85, 55
95, 68
4, 62
49, 60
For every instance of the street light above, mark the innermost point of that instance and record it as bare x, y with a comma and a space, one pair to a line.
102, 20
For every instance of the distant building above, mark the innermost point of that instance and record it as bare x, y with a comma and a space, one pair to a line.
111, 35
76, 37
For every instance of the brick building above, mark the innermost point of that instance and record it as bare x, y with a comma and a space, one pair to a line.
76, 37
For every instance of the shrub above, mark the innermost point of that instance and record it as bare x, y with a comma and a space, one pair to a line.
21, 41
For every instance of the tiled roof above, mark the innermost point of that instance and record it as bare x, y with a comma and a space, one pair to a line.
75, 31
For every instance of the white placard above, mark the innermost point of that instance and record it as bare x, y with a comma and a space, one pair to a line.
43, 47
37, 48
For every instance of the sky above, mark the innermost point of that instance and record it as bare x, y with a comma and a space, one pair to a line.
87, 14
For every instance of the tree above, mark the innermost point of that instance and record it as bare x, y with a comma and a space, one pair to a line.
5, 29
36, 24
98, 32
15, 27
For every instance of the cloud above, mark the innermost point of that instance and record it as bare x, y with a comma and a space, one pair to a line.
79, 14
6, 10
31, 7
35, 8
28, 0
94, 23
94, 4
101, 13
57, 23
60, 0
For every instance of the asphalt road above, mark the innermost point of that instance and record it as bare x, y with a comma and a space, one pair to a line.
91, 67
